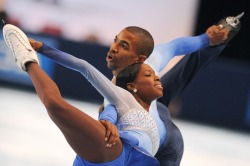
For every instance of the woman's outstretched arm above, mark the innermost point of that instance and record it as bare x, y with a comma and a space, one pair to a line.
115, 95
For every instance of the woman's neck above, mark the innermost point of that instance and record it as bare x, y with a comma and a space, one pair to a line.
144, 104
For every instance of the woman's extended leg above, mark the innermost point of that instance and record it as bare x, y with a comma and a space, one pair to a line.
84, 134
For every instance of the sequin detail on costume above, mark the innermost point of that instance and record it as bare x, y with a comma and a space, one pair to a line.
136, 119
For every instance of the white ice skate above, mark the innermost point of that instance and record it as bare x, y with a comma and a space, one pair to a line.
19, 44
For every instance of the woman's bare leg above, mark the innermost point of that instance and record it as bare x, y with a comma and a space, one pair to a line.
84, 134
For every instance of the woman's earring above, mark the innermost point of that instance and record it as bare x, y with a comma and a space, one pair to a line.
135, 90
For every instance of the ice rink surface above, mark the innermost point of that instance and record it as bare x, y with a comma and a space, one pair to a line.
29, 138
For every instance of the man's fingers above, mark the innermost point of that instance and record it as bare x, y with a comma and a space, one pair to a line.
108, 131
111, 134
110, 141
221, 26
113, 139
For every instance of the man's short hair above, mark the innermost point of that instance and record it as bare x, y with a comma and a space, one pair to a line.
146, 42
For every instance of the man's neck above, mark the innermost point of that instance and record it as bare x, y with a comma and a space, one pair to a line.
115, 72
114, 79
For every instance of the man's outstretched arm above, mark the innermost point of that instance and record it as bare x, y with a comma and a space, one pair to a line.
163, 53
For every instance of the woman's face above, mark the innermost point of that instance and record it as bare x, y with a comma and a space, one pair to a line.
148, 85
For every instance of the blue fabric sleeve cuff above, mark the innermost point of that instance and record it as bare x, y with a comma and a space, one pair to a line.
109, 113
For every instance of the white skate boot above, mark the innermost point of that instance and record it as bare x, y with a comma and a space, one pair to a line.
19, 44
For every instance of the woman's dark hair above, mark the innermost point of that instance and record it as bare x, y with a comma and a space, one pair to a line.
128, 75
145, 40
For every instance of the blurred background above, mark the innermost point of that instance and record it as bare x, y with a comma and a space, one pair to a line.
213, 113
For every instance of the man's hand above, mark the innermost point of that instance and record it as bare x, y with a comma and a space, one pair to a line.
217, 34
36, 45
112, 135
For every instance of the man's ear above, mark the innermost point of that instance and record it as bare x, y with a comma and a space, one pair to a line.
130, 86
141, 58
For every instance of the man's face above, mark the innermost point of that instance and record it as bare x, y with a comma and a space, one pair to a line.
122, 51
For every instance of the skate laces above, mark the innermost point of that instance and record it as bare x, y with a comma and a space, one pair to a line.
18, 47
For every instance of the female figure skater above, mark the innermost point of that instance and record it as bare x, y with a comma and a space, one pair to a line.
83, 133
